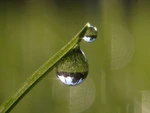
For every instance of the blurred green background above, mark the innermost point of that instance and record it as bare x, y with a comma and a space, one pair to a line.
31, 31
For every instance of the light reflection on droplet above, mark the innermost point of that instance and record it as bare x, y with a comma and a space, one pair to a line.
91, 34
72, 78
72, 68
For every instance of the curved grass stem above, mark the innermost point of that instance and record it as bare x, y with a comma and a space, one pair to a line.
39, 73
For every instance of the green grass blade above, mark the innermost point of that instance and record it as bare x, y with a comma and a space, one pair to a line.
39, 73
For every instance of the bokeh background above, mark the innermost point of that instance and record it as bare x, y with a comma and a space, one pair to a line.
31, 31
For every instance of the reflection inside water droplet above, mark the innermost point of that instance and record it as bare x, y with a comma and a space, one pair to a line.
91, 34
72, 68
69, 78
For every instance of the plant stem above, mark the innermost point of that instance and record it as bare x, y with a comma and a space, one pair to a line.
39, 73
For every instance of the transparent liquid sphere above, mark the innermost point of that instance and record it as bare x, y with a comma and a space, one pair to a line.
73, 68
91, 34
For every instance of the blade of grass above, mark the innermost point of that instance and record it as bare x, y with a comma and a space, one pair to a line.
39, 73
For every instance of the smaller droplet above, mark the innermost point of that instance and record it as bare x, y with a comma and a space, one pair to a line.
72, 69
90, 34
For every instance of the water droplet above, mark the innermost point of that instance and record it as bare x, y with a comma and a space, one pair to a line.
72, 69
90, 34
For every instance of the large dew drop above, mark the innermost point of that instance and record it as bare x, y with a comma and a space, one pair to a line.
73, 68
91, 34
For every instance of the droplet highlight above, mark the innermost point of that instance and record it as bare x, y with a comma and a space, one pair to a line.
91, 34
72, 69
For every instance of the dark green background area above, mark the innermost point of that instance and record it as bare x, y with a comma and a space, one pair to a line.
31, 31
